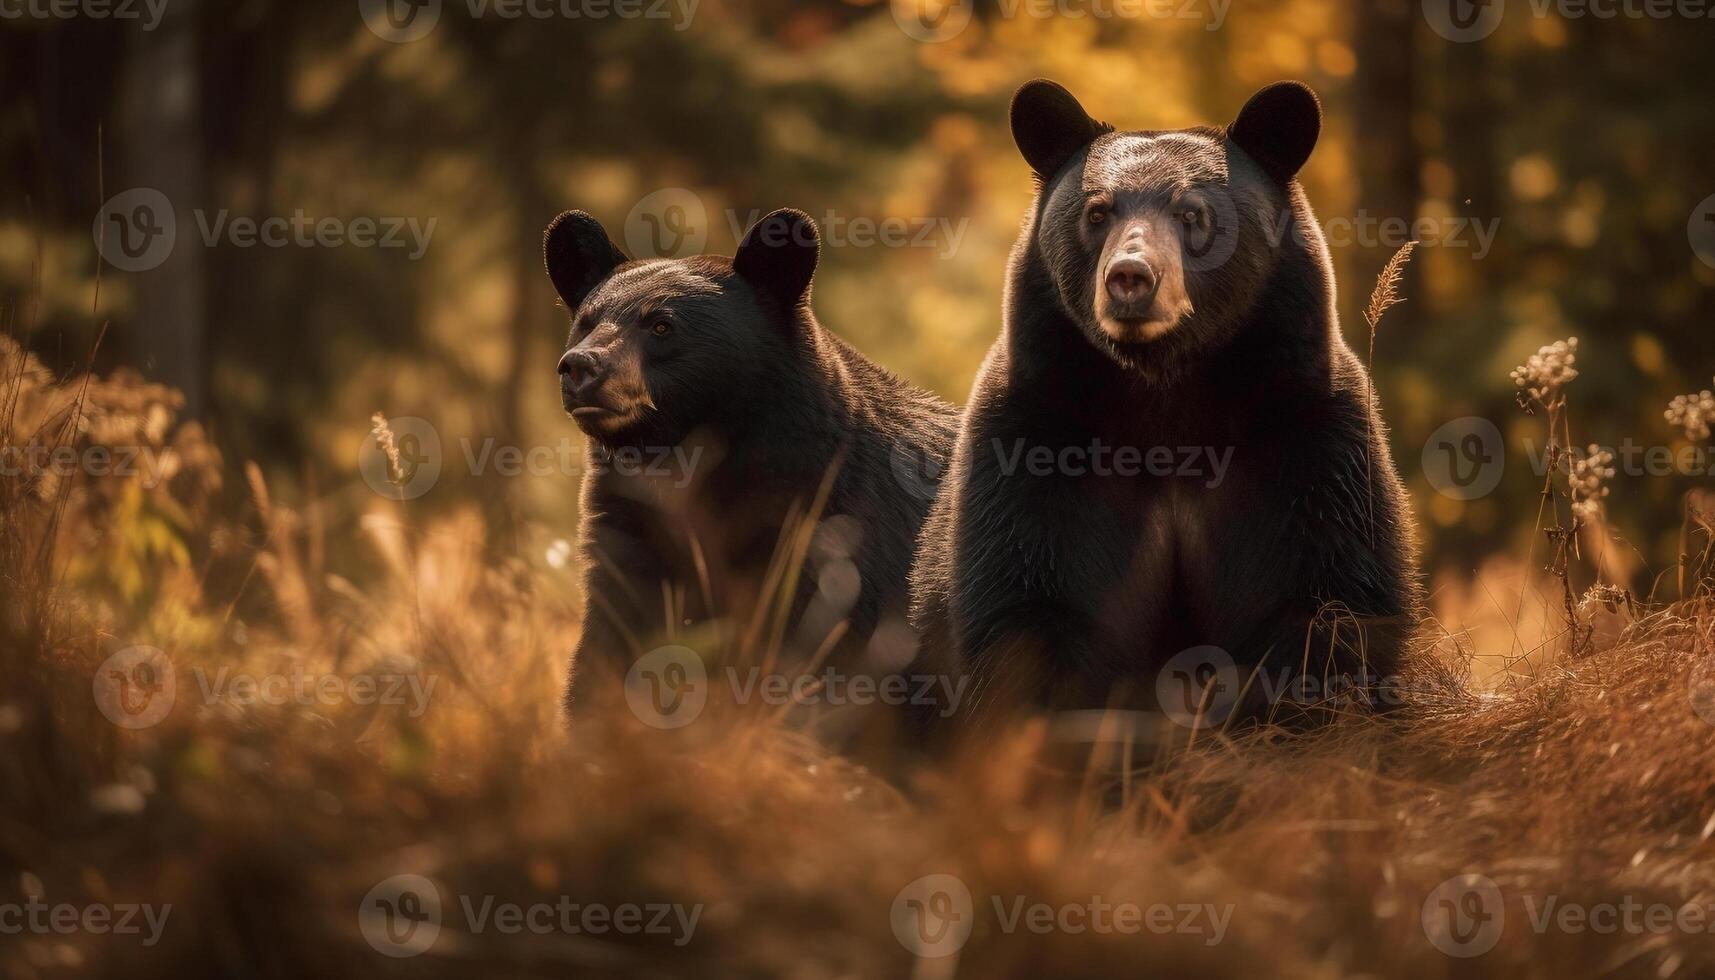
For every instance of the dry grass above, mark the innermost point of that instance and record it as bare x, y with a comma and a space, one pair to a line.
1589, 781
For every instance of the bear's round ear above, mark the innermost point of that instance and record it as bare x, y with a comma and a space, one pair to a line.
579, 256
1049, 126
778, 255
1278, 128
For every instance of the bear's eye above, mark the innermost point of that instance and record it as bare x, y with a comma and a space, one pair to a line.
661, 327
1097, 214
1191, 216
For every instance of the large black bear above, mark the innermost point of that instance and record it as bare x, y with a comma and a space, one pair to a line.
1169, 489
722, 420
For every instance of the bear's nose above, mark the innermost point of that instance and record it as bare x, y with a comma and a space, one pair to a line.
1130, 280
582, 370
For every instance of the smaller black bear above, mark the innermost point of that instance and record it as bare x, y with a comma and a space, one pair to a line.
1170, 489
721, 417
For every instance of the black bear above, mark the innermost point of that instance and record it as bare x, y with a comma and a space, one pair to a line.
1170, 490
754, 481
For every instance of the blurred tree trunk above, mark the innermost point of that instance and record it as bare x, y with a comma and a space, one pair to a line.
160, 140
1387, 156
530, 305
1470, 146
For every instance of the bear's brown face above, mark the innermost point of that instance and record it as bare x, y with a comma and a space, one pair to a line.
1158, 243
660, 348
1153, 206
628, 329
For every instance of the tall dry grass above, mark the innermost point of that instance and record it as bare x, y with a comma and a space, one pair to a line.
1588, 779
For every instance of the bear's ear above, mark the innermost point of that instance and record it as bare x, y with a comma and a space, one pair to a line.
579, 256
778, 255
1049, 126
1278, 128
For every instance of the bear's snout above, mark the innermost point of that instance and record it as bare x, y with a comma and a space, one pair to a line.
581, 373
1140, 290
1131, 281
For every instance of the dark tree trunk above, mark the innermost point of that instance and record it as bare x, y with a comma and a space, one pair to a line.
160, 140
1388, 161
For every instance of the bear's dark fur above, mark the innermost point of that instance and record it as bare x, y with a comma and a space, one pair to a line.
1168, 289
720, 413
